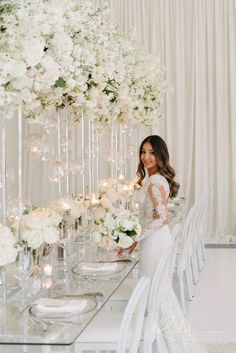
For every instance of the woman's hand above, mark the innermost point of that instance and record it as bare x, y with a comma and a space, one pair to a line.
130, 249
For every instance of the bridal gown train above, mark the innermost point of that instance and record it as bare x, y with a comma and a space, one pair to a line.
176, 335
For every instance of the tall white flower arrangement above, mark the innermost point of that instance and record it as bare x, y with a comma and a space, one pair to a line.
57, 54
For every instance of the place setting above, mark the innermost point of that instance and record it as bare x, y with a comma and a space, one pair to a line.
66, 308
98, 269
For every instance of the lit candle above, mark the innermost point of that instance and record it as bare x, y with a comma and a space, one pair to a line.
13, 218
136, 206
125, 188
47, 283
130, 189
47, 270
94, 201
65, 206
105, 184
121, 177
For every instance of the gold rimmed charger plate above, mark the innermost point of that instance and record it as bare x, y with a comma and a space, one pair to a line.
99, 272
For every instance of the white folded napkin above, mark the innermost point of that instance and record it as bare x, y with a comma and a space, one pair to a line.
99, 267
54, 305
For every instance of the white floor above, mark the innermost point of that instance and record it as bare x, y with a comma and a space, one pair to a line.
212, 312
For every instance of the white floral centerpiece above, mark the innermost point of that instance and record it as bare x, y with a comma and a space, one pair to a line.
118, 192
117, 228
8, 246
71, 209
39, 227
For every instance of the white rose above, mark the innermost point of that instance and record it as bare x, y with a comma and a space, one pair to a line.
55, 218
127, 224
113, 195
34, 238
6, 236
33, 51
16, 68
75, 211
96, 237
98, 213
108, 243
8, 252
62, 44
52, 69
125, 241
51, 235
138, 230
76, 51
20, 84
117, 234
7, 255
106, 203
35, 221
109, 222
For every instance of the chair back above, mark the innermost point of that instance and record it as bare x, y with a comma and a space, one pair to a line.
134, 315
188, 231
192, 231
197, 221
175, 237
153, 315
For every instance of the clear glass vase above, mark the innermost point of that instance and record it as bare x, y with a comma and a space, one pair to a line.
3, 285
23, 271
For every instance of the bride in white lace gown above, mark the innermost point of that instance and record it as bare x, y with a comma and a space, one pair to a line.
153, 197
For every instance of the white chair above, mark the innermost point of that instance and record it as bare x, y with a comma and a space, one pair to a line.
196, 238
115, 331
199, 243
175, 235
191, 255
152, 333
184, 273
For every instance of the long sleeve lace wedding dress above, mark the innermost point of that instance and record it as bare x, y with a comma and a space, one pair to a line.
176, 335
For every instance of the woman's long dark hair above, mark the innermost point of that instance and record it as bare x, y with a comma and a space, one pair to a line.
162, 155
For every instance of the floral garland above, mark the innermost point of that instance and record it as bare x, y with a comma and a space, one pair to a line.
69, 54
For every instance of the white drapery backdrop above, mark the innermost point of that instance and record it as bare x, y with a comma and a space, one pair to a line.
196, 40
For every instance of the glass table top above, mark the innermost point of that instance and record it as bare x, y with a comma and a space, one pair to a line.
71, 300
77, 297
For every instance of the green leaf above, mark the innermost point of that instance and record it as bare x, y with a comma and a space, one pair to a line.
60, 82
131, 233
